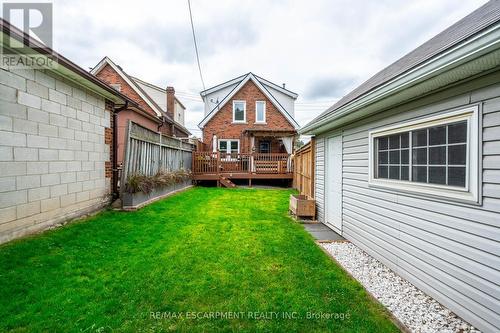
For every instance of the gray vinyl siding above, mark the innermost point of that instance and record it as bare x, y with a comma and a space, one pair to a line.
319, 177
449, 250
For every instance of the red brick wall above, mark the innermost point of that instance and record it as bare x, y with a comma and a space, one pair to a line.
222, 125
110, 76
108, 139
171, 102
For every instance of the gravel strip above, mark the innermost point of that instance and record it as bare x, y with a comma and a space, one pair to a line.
416, 310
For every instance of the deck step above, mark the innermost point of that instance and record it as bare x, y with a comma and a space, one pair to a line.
226, 182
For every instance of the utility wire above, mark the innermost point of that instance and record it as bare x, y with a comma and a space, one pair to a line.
195, 44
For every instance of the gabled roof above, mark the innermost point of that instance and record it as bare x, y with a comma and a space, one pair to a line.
106, 61
132, 82
238, 83
242, 77
158, 89
459, 33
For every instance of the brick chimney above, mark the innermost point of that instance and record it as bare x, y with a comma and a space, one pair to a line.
170, 102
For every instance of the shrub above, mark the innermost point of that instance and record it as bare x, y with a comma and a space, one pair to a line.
142, 183
139, 183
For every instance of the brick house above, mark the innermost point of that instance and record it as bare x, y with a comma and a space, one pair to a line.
56, 141
249, 120
157, 109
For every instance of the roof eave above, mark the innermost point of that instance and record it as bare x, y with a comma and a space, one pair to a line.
128, 79
65, 67
472, 49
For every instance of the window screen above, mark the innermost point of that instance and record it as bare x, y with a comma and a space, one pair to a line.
433, 155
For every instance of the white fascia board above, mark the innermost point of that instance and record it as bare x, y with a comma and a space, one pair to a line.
266, 92
223, 85
464, 52
132, 84
275, 102
277, 87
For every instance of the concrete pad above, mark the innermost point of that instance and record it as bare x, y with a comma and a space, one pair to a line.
321, 232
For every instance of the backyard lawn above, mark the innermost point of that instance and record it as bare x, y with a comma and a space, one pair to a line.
208, 259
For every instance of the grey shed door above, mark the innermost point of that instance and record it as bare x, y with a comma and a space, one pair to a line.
333, 183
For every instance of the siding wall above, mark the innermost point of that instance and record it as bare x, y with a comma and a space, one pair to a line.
52, 151
450, 251
319, 178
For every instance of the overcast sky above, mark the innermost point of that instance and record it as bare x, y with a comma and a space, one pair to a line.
321, 49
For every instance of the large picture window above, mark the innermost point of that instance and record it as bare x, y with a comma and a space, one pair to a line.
437, 155
239, 112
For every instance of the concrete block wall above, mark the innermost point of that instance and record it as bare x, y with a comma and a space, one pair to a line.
52, 151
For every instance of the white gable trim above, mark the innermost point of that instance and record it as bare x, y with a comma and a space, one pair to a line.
132, 84
223, 85
266, 92
277, 87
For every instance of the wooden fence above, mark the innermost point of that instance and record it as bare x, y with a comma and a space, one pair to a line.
303, 175
147, 151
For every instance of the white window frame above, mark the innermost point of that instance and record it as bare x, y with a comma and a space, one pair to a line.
244, 112
228, 145
257, 121
470, 192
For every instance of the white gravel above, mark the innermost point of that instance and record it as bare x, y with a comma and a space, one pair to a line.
416, 310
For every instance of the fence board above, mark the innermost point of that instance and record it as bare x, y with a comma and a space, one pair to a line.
147, 152
303, 175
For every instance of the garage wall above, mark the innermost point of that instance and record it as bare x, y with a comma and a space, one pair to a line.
52, 151
319, 177
450, 251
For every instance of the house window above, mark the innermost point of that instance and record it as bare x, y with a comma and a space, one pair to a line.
229, 146
437, 156
260, 112
264, 147
239, 112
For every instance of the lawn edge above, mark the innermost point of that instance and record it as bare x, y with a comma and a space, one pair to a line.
391, 316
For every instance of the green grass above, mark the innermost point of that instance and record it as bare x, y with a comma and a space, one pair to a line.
204, 250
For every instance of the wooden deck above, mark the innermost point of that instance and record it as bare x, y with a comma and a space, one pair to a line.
212, 166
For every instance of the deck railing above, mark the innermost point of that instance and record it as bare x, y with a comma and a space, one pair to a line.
261, 163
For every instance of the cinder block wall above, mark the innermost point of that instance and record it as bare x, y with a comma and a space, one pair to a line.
52, 151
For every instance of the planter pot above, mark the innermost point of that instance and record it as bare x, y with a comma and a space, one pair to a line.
302, 205
135, 200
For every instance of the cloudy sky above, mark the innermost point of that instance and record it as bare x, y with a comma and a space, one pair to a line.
320, 48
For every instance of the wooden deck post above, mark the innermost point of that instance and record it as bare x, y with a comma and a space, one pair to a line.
218, 168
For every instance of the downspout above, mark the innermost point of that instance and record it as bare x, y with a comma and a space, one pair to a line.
115, 149
161, 124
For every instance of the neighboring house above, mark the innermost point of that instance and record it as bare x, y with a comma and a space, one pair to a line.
56, 142
157, 109
408, 167
245, 107
250, 115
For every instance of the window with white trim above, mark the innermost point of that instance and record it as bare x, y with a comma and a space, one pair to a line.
229, 146
239, 112
260, 112
437, 155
